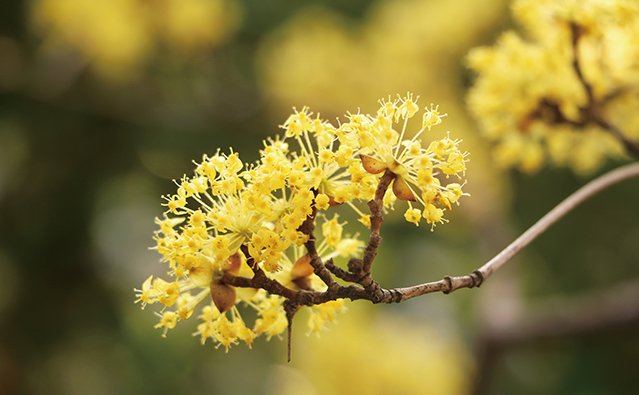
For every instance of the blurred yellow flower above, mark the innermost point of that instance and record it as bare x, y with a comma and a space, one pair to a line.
398, 45
541, 95
377, 355
116, 37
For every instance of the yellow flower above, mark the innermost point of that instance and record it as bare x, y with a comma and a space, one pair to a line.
148, 294
413, 215
382, 149
168, 320
332, 231
530, 99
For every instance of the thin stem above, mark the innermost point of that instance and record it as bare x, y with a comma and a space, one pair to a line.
375, 207
630, 146
476, 278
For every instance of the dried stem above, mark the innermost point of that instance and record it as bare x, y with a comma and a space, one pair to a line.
375, 206
576, 31
308, 227
290, 308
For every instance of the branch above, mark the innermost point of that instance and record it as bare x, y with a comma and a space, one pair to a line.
447, 284
308, 228
597, 311
576, 32
362, 268
549, 111
375, 207
629, 145
475, 279
593, 111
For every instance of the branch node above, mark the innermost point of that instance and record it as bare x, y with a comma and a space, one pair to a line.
396, 296
450, 289
376, 295
355, 265
478, 278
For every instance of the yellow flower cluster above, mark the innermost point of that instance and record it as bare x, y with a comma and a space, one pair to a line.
529, 98
197, 269
381, 148
229, 214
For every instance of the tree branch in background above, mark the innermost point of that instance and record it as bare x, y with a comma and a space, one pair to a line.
593, 312
592, 112
549, 111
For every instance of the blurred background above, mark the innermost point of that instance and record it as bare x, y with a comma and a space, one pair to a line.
104, 102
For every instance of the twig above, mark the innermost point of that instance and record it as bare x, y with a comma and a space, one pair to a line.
365, 265
308, 227
629, 145
575, 32
290, 308
475, 279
